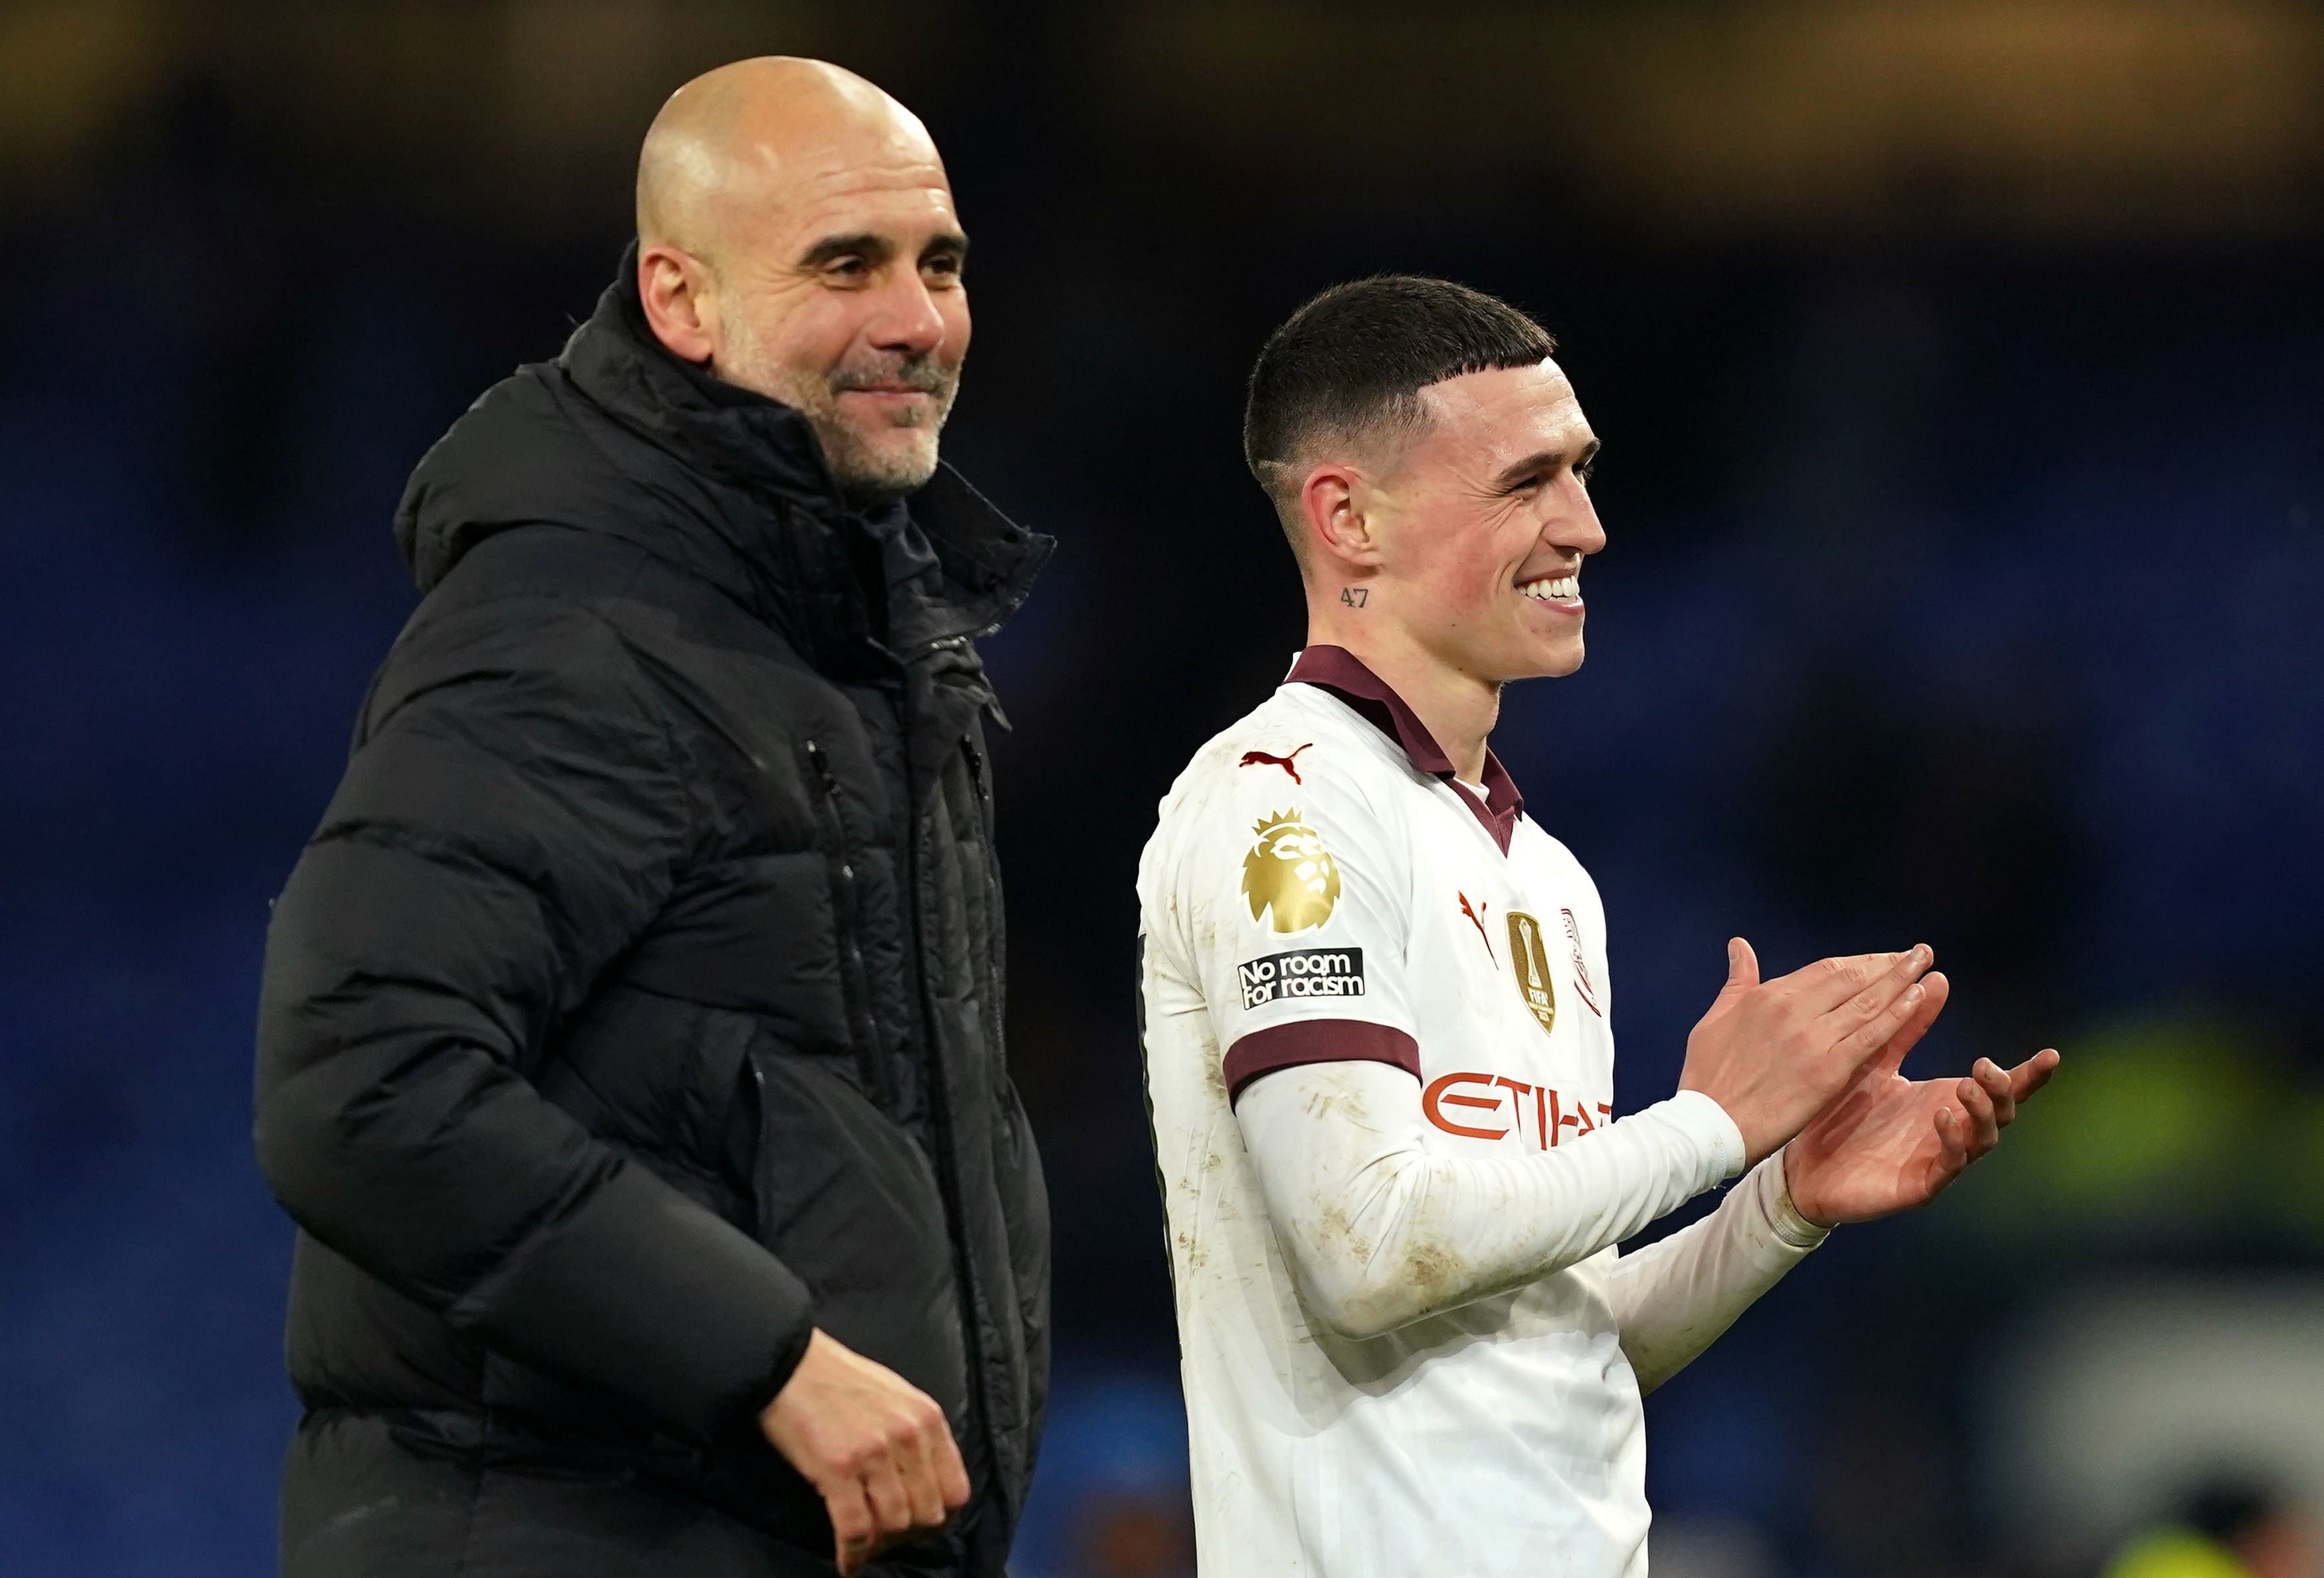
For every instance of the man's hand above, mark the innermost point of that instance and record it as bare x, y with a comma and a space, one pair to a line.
875, 1446
1887, 1144
1771, 1055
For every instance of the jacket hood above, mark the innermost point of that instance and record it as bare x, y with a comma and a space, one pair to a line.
617, 436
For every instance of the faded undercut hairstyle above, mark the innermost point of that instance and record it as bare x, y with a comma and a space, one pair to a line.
1348, 369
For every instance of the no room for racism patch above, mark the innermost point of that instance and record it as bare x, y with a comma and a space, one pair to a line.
1305, 972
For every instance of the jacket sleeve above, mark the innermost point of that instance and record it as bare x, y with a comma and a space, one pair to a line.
498, 839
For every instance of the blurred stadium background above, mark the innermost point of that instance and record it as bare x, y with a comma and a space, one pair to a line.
1961, 365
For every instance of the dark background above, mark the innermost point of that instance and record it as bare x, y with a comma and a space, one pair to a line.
1960, 368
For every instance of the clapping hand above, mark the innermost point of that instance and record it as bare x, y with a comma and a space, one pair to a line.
1886, 1143
1773, 1053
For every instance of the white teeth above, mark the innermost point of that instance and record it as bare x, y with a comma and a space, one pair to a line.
1557, 588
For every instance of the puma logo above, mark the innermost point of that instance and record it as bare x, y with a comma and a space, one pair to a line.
1479, 925
1261, 758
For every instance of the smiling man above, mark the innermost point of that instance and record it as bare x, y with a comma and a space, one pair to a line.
1374, 1001
630, 1049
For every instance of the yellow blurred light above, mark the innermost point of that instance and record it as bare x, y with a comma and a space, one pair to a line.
2169, 1124
2033, 116
69, 70
519, 104
2175, 1554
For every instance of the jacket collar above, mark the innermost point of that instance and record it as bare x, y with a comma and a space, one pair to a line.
1343, 674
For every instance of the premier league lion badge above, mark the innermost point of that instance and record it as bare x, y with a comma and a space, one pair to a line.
1290, 879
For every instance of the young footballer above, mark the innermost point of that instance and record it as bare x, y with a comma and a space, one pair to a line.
1375, 997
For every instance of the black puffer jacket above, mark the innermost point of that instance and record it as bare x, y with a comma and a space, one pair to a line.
636, 1008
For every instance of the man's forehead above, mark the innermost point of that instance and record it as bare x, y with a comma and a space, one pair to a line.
1505, 408
883, 155
831, 192
1534, 393
908, 198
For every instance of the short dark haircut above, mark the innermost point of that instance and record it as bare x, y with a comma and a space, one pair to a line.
1355, 360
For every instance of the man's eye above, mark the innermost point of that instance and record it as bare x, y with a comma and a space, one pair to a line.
1583, 470
943, 267
848, 268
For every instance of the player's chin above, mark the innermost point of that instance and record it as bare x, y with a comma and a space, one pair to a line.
1546, 660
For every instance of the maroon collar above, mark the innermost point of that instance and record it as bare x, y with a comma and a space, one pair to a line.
1343, 674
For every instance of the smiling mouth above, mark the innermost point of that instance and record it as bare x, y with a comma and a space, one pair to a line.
1552, 589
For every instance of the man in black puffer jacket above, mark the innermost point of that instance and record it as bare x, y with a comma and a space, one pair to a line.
630, 1053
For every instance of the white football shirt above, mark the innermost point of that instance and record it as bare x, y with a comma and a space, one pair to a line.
1321, 889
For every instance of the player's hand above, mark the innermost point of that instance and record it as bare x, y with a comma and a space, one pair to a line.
1773, 1053
876, 1447
1887, 1144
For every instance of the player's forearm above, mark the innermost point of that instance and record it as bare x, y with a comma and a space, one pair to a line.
1382, 1233
1674, 1298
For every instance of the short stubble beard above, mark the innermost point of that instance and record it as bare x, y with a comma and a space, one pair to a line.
866, 475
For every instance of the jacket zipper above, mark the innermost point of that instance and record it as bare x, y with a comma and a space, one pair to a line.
855, 980
948, 1175
762, 1192
996, 923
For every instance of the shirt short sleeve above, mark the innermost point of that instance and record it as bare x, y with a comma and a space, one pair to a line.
1298, 893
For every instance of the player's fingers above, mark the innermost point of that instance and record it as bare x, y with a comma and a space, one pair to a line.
1984, 1132
1952, 1146
2033, 1073
1994, 1079
1742, 976
1871, 1035
854, 1535
1826, 984
1830, 984
1934, 991
1875, 995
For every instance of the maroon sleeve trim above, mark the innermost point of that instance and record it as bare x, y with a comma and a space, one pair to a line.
1318, 1041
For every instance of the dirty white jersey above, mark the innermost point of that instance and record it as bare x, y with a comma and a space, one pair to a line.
1322, 890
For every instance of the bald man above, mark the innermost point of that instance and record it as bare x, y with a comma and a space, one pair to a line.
630, 1049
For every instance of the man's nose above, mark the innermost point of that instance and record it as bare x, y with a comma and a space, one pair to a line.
908, 321
1577, 526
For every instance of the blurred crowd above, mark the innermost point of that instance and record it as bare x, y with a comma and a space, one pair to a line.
1964, 476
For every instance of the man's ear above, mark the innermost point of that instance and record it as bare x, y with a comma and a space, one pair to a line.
680, 307
1335, 501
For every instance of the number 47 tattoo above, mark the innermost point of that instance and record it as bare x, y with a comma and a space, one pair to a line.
1355, 596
